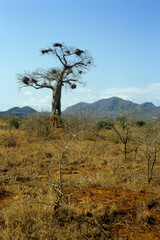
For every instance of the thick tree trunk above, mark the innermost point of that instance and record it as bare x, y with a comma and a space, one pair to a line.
56, 104
56, 99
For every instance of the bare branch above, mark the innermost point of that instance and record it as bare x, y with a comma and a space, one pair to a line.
34, 80
59, 57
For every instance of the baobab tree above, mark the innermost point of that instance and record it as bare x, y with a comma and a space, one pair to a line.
73, 63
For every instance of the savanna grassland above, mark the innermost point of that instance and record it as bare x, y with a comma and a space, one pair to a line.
81, 181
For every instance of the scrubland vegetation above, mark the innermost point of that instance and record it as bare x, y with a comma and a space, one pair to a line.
83, 180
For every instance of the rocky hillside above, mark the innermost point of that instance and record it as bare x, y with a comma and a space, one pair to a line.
17, 111
113, 107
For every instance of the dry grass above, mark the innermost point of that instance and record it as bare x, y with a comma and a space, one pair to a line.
103, 196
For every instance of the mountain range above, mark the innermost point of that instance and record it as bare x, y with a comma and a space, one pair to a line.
21, 112
104, 108
113, 107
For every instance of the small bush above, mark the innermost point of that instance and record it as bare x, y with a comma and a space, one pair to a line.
140, 123
122, 121
38, 124
107, 124
76, 123
14, 122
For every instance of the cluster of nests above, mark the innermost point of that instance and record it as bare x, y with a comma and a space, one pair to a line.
78, 52
26, 80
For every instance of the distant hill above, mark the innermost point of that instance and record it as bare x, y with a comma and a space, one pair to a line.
104, 108
17, 111
113, 107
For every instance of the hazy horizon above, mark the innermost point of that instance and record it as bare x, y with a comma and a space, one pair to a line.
75, 104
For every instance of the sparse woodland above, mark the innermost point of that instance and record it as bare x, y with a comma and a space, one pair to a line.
85, 180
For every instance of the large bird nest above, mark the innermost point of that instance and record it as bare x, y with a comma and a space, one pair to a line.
25, 80
73, 86
57, 45
46, 50
78, 52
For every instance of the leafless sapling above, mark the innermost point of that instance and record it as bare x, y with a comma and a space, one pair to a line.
123, 128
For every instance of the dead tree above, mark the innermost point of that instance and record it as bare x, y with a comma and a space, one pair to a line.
73, 63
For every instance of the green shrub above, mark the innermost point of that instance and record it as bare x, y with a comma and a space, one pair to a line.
140, 123
107, 124
122, 121
14, 122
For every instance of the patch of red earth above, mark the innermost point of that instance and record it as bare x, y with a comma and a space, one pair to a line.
110, 196
124, 213
5, 198
137, 233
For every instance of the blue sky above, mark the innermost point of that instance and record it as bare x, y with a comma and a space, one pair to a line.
123, 37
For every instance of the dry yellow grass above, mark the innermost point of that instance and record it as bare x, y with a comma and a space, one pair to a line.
103, 196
